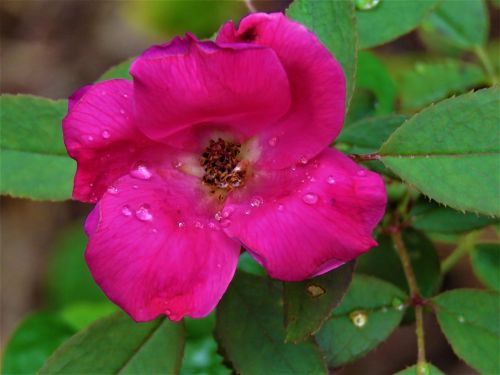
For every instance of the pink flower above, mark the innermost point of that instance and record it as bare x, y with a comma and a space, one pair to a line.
214, 146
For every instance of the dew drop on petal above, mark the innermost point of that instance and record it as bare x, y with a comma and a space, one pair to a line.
181, 224
135, 187
303, 160
140, 171
273, 141
359, 318
87, 138
330, 180
225, 223
112, 189
361, 173
310, 198
105, 134
247, 211
256, 202
177, 164
198, 224
281, 207
219, 265
125, 96
366, 4
143, 214
218, 216
126, 211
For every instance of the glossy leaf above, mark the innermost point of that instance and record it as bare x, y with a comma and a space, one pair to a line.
367, 135
33, 341
372, 75
200, 357
117, 344
450, 152
426, 83
369, 312
485, 259
68, 277
462, 24
308, 304
390, 19
413, 370
334, 24
251, 335
384, 263
470, 320
431, 217
120, 70
34, 163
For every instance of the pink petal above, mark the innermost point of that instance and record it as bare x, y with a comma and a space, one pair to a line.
100, 134
317, 84
305, 221
154, 251
187, 85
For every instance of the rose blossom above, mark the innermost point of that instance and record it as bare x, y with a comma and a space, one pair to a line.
214, 146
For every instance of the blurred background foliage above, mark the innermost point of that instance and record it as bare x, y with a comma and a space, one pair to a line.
52, 47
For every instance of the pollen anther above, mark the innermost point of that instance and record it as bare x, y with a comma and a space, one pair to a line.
220, 160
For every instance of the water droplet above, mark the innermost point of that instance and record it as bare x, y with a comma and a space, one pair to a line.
256, 202
366, 4
212, 225
140, 171
125, 96
154, 230
361, 173
225, 223
315, 290
247, 211
273, 141
461, 319
177, 164
398, 304
281, 207
198, 224
180, 224
88, 138
310, 198
143, 213
219, 265
135, 187
359, 318
126, 211
227, 211
330, 180
218, 216
105, 134
112, 189
303, 160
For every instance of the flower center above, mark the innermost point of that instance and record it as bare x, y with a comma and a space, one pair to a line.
220, 160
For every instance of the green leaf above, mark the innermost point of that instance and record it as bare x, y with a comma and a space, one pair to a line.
251, 335
426, 83
372, 75
390, 19
69, 279
431, 217
423, 257
367, 135
34, 163
248, 264
470, 321
369, 312
33, 341
485, 259
118, 71
117, 344
413, 370
200, 357
462, 24
199, 328
308, 304
81, 314
450, 152
334, 24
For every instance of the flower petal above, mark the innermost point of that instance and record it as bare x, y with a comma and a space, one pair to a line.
100, 134
154, 251
305, 221
187, 84
317, 84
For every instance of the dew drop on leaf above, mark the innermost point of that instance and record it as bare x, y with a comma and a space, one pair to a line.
315, 290
366, 4
359, 318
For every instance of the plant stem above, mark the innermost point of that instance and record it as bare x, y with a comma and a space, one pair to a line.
465, 245
365, 157
415, 297
486, 62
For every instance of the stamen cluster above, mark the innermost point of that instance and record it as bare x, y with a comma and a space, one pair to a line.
220, 161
